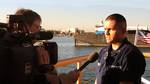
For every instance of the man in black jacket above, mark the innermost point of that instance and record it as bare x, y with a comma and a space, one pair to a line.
121, 62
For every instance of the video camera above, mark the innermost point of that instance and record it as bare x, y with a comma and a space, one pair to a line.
16, 33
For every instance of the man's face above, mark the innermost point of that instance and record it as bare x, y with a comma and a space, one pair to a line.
35, 27
112, 32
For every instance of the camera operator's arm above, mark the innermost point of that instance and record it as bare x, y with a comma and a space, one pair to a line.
43, 60
42, 55
50, 72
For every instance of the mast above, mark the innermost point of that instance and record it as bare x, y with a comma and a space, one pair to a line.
136, 36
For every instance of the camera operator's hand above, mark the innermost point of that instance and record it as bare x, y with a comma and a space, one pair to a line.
43, 56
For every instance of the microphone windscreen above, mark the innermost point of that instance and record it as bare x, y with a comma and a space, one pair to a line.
93, 57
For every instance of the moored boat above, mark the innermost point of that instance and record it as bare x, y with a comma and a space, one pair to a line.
98, 39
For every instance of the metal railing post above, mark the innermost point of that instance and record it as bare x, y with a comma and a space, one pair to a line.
79, 79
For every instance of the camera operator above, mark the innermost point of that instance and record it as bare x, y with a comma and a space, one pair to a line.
44, 71
33, 21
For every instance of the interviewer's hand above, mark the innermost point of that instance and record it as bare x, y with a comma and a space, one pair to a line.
43, 56
74, 75
69, 78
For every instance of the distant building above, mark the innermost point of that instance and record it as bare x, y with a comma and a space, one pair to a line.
73, 30
139, 27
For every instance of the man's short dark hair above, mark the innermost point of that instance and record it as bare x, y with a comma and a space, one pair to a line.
120, 20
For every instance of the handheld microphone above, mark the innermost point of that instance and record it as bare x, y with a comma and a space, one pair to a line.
92, 58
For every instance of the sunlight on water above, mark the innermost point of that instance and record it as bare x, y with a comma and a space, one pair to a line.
66, 48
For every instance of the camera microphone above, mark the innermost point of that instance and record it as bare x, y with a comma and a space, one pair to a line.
92, 58
42, 35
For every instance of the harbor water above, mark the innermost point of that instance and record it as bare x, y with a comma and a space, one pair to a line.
66, 50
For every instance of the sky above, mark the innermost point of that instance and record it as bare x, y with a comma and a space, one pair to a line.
82, 14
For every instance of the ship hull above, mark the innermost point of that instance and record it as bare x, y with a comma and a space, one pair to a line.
91, 39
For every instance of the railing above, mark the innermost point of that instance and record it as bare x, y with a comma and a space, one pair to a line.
75, 60
78, 59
